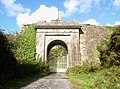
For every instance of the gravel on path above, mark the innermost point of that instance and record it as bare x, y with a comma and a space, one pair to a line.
52, 81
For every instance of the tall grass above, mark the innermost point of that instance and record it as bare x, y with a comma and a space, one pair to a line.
103, 79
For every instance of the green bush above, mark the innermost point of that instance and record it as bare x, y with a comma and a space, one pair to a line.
32, 68
17, 56
82, 69
8, 63
110, 49
26, 44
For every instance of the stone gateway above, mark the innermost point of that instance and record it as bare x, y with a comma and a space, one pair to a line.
57, 32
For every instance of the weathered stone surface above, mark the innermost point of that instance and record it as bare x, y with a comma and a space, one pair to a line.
64, 34
58, 22
91, 37
80, 39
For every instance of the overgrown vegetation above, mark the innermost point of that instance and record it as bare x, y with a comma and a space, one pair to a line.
82, 70
8, 63
107, 74
102, 79
17, 56
25, 44
17, 61
110, 49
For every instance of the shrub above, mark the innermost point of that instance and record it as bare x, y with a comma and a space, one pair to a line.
17, 56
109, 49
8, 63
81, 69
25, 53
25, 44
32, 68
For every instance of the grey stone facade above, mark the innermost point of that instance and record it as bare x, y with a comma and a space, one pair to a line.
80, 40
59, 33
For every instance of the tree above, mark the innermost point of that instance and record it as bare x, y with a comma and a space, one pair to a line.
110, 49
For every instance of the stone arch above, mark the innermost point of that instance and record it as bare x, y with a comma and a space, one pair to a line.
60, 61
54, 43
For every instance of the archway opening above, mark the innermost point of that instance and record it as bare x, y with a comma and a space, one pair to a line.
57, 56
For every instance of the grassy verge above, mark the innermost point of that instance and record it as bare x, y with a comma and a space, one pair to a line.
17, 83
103, 79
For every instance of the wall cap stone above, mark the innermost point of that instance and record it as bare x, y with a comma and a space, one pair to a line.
58, 24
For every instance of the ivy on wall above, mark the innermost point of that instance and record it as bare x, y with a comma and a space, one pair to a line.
25, 45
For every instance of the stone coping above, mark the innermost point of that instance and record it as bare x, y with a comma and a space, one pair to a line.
58, 24
58, 27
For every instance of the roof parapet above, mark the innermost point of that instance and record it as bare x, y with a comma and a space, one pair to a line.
60, 24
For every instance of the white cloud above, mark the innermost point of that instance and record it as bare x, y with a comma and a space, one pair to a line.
80, 6
117, 23
42, 13
71, 7
109, 24
116, 3
91, 21
14, 8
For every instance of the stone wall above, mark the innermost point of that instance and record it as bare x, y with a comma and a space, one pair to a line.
91, 37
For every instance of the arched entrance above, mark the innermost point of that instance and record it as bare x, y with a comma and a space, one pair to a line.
57, 56
65, 34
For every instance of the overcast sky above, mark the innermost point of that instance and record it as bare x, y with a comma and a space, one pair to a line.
15, 13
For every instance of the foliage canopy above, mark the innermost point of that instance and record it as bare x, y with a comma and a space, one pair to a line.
25, 45
110, 49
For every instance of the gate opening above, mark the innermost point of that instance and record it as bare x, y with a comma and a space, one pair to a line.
57, 56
